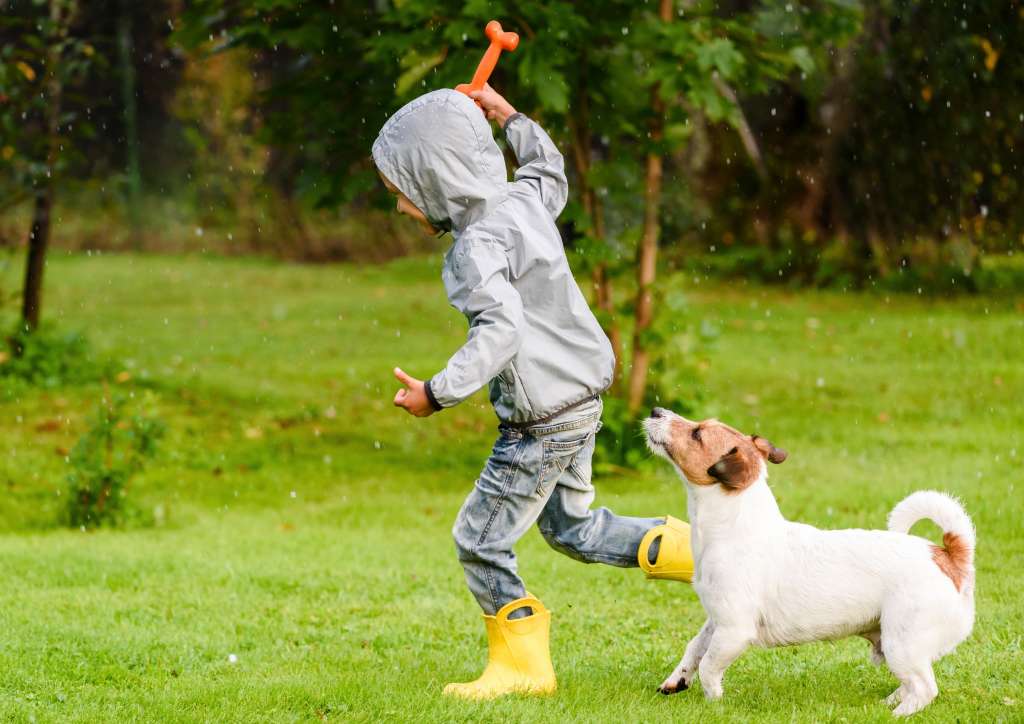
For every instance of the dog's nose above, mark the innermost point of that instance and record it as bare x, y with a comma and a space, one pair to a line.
658, 412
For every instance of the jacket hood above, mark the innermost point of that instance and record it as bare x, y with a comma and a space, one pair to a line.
438, 150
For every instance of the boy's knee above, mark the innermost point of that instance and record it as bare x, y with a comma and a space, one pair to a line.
463, 537
566, 544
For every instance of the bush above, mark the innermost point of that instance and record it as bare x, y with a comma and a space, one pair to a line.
103, 462
47, 358
673, 379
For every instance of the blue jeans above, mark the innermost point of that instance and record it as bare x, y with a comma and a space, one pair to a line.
540, 474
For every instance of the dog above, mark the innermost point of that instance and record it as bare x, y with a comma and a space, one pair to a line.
766, 581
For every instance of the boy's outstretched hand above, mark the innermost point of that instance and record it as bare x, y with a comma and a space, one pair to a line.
412, 398
494, 106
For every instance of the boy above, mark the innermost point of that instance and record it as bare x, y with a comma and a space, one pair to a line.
534, 339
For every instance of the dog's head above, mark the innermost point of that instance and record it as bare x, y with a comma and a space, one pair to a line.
709, 452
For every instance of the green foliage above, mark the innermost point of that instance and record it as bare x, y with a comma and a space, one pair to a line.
49, 358
676, 341
896, 163
30, 42
103, 462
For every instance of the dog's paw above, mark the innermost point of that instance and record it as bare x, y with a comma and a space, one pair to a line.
712, 693
908, 706
668, 687
894, 698
673, 684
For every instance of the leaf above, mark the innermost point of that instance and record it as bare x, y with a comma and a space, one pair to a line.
801, 56
721, 55
554, 93
26, 70
536, 71
417, 66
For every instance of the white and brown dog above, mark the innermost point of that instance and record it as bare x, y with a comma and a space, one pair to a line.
766, 581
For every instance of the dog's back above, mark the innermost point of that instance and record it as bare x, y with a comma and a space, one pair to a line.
826, 584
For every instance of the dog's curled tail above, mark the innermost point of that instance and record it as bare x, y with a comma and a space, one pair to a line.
956, 556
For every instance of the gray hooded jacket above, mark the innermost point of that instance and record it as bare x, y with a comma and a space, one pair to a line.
531, 333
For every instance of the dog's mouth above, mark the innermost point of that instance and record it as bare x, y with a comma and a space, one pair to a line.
657, 434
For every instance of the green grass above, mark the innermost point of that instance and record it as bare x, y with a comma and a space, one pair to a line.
304, 522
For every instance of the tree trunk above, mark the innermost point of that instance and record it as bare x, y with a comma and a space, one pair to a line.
647, 254
62, 13
131, 130
38, 240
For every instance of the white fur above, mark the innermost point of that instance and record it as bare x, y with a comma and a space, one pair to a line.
766, 581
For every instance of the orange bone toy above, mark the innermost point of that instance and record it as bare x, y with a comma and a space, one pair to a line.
500, 40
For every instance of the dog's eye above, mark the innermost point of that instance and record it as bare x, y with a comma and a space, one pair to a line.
695, 434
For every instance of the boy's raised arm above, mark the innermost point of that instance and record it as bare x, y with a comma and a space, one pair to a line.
483, 293
540, 162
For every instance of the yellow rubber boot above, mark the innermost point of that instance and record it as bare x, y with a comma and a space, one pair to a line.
675, 557
518, 659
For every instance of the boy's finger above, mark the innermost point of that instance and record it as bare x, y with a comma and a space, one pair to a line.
403, 378
400, 398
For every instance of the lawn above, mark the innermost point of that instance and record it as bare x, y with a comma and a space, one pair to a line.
297, 563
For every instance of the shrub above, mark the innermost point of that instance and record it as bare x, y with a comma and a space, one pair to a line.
48, 358
103, 462
673, 379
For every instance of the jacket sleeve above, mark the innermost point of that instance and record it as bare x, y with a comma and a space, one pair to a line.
540, 162
484, 293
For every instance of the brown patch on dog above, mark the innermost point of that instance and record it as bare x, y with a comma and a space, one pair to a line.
769, 451
713, 453
953, 558
736, 470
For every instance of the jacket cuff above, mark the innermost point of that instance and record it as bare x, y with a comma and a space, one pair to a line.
511, 118
430, 397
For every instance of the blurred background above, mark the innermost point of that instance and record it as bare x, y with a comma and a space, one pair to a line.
827, 144
823, 143
802, 216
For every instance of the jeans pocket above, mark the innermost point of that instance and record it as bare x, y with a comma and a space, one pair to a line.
559, 453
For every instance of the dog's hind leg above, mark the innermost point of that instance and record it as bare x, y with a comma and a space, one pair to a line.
682, 676
875, 639
913, 668
725, 647
918, 691
895, 697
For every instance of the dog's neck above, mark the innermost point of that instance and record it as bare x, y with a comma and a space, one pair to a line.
716, 514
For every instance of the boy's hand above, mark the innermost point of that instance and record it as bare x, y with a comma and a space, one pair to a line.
494, 106
413, 398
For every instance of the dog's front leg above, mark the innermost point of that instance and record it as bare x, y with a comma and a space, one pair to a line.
682, 676
725, 647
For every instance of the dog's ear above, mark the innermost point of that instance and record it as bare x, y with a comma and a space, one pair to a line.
768, 451
735, 470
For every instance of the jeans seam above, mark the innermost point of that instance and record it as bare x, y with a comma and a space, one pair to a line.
544, 430
605, 558
509, 476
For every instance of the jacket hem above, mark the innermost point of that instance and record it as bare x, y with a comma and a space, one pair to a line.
553, 415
